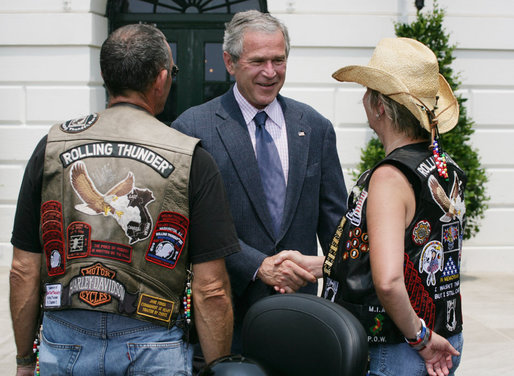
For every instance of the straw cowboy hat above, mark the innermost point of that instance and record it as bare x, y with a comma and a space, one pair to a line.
407, 71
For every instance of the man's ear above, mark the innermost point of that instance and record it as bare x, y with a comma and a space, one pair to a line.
162, 78
381, 109
229, 63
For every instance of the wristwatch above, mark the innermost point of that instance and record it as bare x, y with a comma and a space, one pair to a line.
26, 360
422, 337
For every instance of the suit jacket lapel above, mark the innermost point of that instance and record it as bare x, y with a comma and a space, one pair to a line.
298, 141
234, 135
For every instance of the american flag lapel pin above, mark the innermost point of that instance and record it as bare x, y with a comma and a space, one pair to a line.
301, 133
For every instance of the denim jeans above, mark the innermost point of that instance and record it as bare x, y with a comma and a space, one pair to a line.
81, 342
401, 360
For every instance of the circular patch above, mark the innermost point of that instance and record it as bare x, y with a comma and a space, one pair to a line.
345, 256
365, 237
421, 232
355, 242
354, 253
357, 232
79, 124
364, 248
348, 245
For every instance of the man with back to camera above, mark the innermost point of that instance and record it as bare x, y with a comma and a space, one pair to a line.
110, 193
281, 170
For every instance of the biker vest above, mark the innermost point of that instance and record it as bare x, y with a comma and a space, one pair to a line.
115, 215
432, 243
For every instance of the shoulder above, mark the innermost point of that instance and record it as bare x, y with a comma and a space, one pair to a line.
291, 103
295, 104
292, 107
197, 117
389, 187
203, 160
386, 173
203, 109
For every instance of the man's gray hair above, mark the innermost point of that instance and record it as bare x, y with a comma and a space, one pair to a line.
132, 57
250, 20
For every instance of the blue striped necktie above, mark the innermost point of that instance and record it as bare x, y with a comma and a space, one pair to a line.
270, 168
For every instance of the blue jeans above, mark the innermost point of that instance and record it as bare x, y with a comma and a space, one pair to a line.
80, 342
401, 360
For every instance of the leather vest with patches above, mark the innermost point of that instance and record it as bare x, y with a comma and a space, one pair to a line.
115, 215
433, 244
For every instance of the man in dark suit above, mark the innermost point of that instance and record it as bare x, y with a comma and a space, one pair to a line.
306, 195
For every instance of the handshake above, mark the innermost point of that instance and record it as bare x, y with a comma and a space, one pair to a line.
289, 270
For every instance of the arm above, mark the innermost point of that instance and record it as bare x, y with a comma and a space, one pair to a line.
213, 313
391, 207
24, 301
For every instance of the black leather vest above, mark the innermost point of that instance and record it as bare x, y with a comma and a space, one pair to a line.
432, 243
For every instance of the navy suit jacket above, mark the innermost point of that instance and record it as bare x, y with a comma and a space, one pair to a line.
315, 197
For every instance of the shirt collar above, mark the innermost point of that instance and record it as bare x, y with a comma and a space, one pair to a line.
273, 109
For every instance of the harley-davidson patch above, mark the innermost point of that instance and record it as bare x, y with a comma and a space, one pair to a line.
97, 285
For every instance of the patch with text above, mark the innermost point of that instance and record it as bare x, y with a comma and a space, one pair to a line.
96, 285
79, 124
52, 233
156, 308
78, 239
168, 239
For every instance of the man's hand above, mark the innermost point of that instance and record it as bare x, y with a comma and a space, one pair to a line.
283, 273
25, 370
438, 355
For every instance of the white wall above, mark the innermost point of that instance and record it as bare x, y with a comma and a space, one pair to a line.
329, 34
49, 72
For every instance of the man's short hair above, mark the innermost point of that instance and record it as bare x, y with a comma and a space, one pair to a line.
132, 57
402, 119
250, 20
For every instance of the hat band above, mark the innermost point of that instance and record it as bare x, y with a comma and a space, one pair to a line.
432, 117
435, 145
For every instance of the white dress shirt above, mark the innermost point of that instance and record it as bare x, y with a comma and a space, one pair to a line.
275, 125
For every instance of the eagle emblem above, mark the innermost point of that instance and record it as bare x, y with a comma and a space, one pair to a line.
453, 206
124, 202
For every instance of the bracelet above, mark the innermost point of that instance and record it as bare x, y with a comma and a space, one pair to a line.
26, 360
422, 337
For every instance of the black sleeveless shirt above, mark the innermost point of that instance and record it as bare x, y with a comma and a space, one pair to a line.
432, 244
